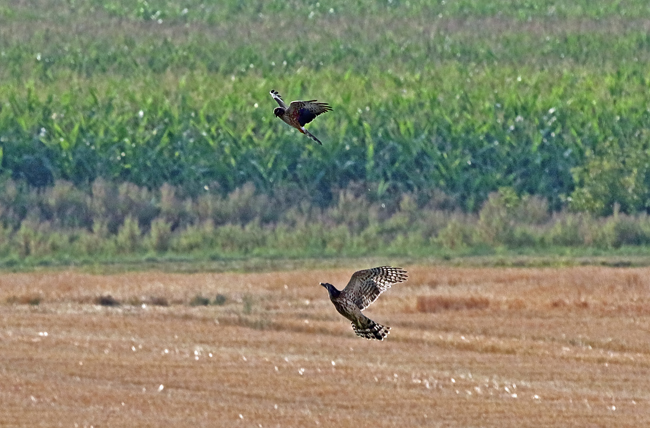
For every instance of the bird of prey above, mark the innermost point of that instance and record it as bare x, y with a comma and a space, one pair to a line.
299, 113
363, 289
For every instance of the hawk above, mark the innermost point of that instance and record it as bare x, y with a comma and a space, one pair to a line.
299, 113
363, 289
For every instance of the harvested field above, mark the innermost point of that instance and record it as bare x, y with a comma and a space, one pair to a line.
468, 347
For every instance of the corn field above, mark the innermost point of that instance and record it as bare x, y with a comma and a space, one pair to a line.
460, 97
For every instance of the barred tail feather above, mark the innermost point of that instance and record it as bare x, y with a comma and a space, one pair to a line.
312, 136
372, 330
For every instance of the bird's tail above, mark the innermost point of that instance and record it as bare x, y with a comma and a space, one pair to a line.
312, 136
371, 330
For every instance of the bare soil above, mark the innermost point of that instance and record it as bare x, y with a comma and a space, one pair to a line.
471, 347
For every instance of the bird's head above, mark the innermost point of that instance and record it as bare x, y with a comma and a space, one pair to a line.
331, 289
278, 111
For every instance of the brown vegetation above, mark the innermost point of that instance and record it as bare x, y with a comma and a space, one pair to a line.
468, 347
444, 303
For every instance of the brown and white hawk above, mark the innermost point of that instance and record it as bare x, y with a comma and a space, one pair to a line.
363, 289
299, 113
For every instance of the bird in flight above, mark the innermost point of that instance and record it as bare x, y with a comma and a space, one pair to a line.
299, 113
363, 289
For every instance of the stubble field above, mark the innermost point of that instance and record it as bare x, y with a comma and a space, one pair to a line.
468, 347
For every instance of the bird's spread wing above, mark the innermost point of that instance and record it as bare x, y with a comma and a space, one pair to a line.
306, 111
366, 285
276, 96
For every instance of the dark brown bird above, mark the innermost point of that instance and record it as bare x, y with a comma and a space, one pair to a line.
299, 113
363, 289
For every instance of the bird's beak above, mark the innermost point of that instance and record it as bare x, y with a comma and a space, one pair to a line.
323, 284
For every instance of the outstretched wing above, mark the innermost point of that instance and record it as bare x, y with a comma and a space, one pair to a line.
366, 285
306, 111
276, 96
